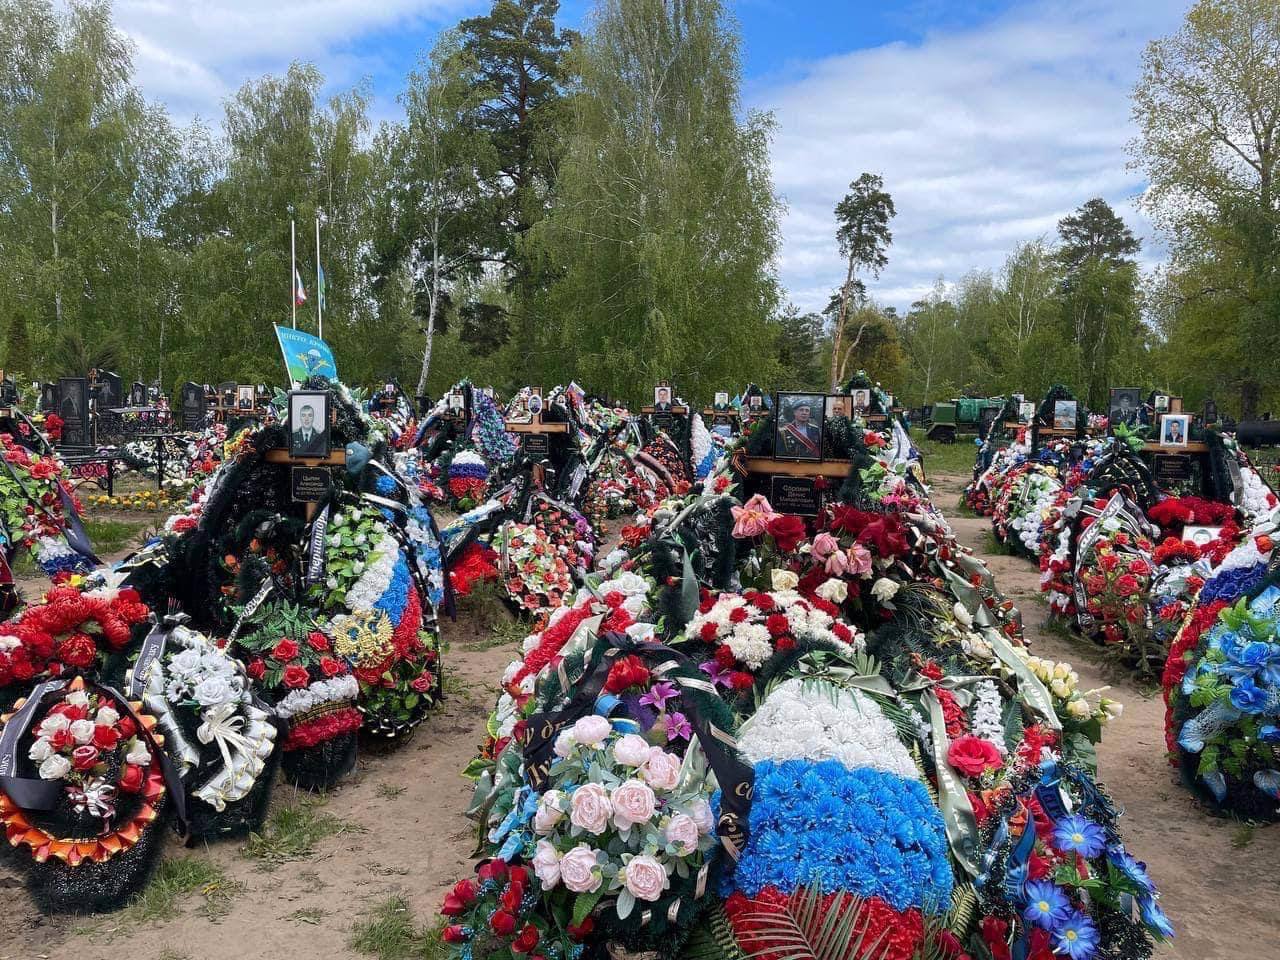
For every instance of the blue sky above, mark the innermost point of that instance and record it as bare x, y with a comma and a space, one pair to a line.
988, 120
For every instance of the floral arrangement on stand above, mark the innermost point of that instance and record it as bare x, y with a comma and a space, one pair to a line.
69, 632
98, 793
467, 479
33, 501
222, 742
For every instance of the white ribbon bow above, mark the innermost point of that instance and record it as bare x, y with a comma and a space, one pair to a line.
222, 726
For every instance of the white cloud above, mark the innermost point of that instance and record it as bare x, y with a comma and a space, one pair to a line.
985, 137
191, 55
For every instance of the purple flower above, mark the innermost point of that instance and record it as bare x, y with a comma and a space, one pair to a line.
719, 676
678, 726
659, 694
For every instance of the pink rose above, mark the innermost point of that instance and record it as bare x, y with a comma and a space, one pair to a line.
550, 812
591, 730
578, 869
546, 864
645, 877
753, 518
589, 808
837, 564
859, 560
824, 544
631, 750
633, 803
682, 832
700, 812
662, 769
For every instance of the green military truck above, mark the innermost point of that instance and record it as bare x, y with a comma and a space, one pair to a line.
961, 415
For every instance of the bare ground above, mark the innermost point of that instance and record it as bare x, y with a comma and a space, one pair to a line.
405, 832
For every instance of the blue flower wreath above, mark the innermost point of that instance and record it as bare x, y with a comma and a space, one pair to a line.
862, 831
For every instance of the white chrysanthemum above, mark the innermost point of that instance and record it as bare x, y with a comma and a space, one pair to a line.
814, 720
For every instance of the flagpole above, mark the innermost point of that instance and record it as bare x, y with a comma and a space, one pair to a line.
293, 272
319, 280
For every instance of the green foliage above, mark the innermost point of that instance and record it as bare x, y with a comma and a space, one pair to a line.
664, 229
1207, 108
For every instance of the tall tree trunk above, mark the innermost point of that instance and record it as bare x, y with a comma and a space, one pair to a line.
839, 332
1249, 395
57, 270
432, 300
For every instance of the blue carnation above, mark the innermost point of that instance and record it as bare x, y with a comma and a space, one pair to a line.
863, 831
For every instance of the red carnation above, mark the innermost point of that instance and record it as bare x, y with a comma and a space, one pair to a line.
329, 666
285, 650
527, 940
777, 624
787, 531
296, 676
256, 668
708, 632
581, 931
724, 656
972, 755
1108, 561
630, 671
741, 680
503, 923
61, 740
738, 614
317, 641
131, 778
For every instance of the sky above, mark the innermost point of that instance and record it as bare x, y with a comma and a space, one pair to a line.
988, 120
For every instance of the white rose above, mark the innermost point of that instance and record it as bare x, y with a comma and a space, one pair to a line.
52, 724
138, 753
1060, 689
213, 691
564, 744
884, 589
550, 812
40, 750
78, 698
1078, 709
833, 590
962, 614
82, 731
662, 769
54, 767
784, 580
107, 717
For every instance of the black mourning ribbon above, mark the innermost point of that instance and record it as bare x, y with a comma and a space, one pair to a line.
735, 776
